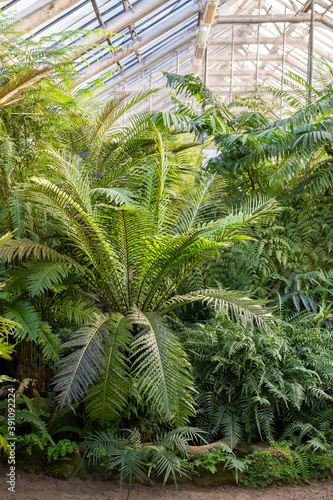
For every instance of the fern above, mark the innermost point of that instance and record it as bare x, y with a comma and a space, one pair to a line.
49, 342
90, 353
302, 464
78, 311
25, 315
43, 276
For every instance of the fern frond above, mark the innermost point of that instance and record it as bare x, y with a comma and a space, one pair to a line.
161, 369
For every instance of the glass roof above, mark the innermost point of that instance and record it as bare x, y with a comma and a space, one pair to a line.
162, 35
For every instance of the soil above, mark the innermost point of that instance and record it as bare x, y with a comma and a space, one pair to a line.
40, 487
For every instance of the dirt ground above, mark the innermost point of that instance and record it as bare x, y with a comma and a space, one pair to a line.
39, 487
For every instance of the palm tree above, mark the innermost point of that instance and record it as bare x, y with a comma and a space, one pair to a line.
133, 259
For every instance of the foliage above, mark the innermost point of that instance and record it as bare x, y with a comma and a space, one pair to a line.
254, 386
133, 459
61, 449
278, 466
37, 423
133, 259
283, 465
290, 261
115, 232
208, 460
6, 351
288, 158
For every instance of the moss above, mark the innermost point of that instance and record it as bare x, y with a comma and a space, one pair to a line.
272, 466
320, 464
31, 462
65, 468
220, 477
277, 466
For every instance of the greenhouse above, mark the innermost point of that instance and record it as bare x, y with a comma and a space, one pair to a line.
166, 249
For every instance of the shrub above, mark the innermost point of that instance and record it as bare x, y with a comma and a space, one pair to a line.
61, 449
253, 385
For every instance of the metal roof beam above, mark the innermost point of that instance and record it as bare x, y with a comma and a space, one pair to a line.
274, 18
98, 13
140, 9
184, 59
151, 60
172, 22
131, 26
152, 34
245, 57
289, 29
265, 40
247, 72
290, 61
293, 42
40, 12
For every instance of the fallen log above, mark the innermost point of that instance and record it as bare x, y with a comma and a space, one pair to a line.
191, 449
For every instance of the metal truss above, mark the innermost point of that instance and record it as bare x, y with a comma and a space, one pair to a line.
234, 45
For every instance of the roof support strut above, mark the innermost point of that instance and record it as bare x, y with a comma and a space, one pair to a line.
163, 27
153, 59
140, 9
181, 16
274, 18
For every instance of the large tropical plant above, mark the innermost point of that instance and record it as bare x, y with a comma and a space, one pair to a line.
288, 158
132, 258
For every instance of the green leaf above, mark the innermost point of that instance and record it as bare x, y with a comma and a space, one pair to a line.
24, 314
43, 276
49, 341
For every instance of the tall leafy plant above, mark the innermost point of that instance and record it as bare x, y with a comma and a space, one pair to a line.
133, 259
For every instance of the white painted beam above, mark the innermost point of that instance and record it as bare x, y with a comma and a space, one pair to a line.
151, 60
291, 41
274, 18
264, 40
243, 72
244, 57
40, 12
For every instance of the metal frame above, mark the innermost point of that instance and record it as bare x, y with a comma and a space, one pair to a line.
249, 41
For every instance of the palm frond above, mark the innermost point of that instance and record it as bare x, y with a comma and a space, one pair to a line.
161, 368
81, 368
225, 302
109, 394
